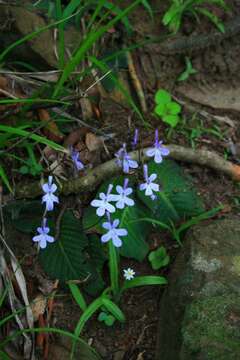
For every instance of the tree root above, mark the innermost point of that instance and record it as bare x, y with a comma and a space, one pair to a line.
104, 171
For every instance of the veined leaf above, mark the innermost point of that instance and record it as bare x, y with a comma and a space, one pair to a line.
134, 244
177, 199
68, 257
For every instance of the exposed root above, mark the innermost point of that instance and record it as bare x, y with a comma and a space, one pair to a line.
100, 173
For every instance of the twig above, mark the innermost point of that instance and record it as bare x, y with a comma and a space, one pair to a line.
136, 82
95, 176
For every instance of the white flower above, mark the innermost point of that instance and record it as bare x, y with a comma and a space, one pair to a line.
122, 198
103, 204
128, 274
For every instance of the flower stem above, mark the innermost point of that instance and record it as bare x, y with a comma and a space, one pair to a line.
113, 267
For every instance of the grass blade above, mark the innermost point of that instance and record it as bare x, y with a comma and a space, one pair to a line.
38, 138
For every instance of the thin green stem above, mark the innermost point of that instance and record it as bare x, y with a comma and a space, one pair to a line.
113, 268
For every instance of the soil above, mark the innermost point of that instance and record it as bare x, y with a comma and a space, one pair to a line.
217, 65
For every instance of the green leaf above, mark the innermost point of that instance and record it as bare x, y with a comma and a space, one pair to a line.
162, 97
158, 258
171, 120
177, 199
110, 320
143, 281
160, 109
4, 178
134, 245
70, 257
77, 295
102, 316
173, 108
29, 135
113, 309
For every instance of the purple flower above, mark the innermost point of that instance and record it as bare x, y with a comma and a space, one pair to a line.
75, 158
49, 198
158, 151
135, 139
103, 204
149, 186
113, 233
122, 198
43, 238
124, 160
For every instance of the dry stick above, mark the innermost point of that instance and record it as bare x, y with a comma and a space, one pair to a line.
136, 82
94, 177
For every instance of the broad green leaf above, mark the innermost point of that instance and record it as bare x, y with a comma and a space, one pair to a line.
171, 120
173, 108
158, 258
70, 258
162, 97
134, 244
143, 281
177, 199
160, 109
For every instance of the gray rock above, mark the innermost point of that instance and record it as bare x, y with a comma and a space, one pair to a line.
200, 310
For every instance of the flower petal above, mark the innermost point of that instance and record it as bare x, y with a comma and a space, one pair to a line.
106, 237
100, 211
115, 223
120, 204
152, 177
129, 201
133, 164
150, 152
121, 232
117, 242
110, 208
158, 156
107, 225
97, 203
37, 238
154, 187
148, 191
143, 186
165, 151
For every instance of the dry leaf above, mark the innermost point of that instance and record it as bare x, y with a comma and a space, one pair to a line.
93, 142
38, 306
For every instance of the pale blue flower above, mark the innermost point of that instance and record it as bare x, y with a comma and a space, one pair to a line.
149, 186
113, 233
103, 204
124, 160
135, 139
158, 151
75, 158
129, 274
43, 238
122, 198
49, 198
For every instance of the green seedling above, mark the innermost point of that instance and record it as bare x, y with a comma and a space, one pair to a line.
174, 15
189, 70
159, 258
108, 319
167, 109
